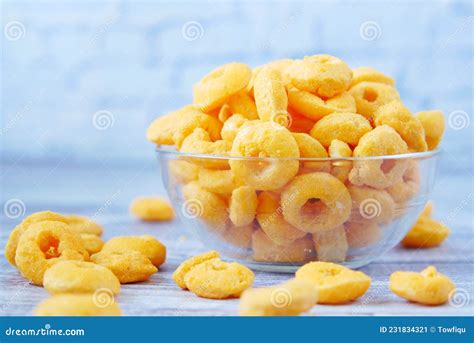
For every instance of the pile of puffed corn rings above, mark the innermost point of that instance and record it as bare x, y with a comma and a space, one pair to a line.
315, 107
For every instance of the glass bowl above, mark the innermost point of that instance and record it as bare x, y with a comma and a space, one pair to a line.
258, 212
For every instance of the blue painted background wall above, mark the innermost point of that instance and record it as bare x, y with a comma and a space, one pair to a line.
70, 67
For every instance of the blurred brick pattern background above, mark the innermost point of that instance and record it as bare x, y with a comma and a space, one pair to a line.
62, 62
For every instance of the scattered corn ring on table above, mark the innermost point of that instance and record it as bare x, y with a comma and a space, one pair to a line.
105, 193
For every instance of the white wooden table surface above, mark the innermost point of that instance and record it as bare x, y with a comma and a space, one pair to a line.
105, 191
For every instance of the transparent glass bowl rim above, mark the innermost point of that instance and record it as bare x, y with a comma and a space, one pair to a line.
168, 150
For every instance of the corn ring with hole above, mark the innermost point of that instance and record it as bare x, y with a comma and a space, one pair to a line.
383, 173
264, 139
369, 96
320, 202
44, 244
15, 235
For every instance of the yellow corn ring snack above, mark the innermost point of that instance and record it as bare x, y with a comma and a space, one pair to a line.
396, 115
79, 277
215, 88
12, 243
323, 75
340, 149
427, 232
429, 287
78, 305
217, 181
216, 279
371, 205
148, 245
316, 202
82, 224
264, 140
346, 127
152, 209
380, 174
369, 96
331, 246
433, 123
287, 299
314, 107
206, 206
270, 97
408, 186
186, 266
243, 104
128, 265
361, 234
92, 243
336, 284
44, 244
243, 206
367, 74
265, 250
183, 171
162, 129
193, 120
